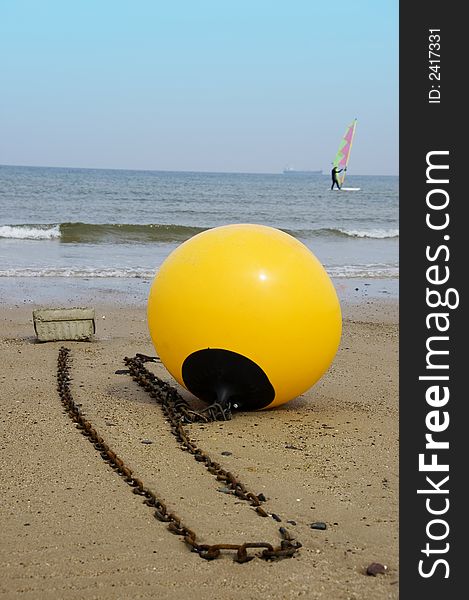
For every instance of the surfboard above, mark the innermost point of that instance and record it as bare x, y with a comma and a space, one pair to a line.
346, 189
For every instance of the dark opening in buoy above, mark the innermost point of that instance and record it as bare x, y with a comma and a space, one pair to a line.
225, 377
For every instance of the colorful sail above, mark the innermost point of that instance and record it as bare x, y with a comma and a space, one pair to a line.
343, 154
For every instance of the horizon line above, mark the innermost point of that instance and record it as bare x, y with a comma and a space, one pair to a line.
325, 173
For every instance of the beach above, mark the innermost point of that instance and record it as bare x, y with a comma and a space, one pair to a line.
72, 528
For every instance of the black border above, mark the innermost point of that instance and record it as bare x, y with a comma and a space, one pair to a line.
425, 127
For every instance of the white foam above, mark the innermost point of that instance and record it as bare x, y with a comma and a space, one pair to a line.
79, 273
30, 232
364, 271
371, 233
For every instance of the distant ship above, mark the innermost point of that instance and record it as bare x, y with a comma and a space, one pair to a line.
292, 171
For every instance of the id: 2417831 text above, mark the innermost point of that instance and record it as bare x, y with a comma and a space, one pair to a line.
434, 74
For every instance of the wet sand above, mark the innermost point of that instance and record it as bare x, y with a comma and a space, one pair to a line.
73, 529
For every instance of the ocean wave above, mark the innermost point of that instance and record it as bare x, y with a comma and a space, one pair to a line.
122, 233
94, 233
365, 271
372, 271
346, 233
371, 233
79, 273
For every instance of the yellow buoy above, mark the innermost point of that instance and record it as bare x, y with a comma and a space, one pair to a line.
244, 314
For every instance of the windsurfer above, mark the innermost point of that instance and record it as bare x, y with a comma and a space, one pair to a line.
335, 176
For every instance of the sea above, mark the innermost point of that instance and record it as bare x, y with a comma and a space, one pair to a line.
110, 230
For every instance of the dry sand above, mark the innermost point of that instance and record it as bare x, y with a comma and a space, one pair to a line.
72, 529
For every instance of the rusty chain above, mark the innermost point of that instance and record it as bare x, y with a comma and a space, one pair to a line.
177, 411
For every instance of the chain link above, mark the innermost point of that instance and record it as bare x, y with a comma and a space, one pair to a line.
178, 412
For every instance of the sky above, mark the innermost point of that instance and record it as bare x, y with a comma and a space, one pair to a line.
199, 85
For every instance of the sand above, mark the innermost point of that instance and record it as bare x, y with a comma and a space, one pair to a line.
72, 529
